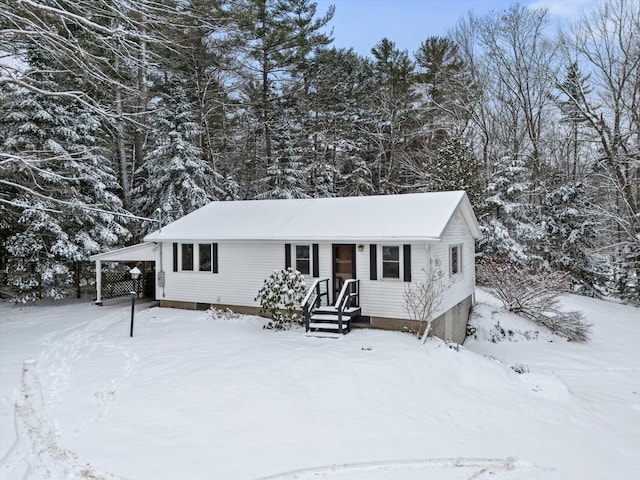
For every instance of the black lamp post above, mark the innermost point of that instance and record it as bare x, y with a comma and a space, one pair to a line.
135, 275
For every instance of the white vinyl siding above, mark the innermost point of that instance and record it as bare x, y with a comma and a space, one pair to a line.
459, 286
244, 266
384, 297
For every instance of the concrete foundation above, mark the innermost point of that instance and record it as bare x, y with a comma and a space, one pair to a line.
450, 326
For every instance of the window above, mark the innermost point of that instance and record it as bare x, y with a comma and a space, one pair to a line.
204, 257
390, 261
455, 258
303, 259
187, 256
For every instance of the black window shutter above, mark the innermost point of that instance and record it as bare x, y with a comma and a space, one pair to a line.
287, 255
373, 262
407, 262
175, 257
316, 260
214, 253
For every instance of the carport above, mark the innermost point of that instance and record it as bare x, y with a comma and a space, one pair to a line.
144, 254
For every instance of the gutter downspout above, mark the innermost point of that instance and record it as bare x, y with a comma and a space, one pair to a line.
161, 277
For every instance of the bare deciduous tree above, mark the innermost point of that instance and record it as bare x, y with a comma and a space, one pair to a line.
606, 43
422, 298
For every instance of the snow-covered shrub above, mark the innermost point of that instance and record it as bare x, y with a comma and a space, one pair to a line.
222, 314
422, 298
280, 297
533, 296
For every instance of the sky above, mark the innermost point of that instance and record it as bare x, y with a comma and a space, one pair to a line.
363, 23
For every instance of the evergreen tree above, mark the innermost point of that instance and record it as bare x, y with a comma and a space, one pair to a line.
177, 180
576, 89
390, 117
204, 59
286, 174
506, 218
454, 167
60, 203
446, 88
277, 37
358, 177
339, 81
569, 235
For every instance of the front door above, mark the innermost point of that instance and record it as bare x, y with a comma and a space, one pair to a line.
344, 266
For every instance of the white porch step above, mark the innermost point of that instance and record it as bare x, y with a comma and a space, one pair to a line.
329, 317
328, 326
333, 308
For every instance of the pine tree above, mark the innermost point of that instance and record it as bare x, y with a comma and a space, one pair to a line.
570, 235
277, 37
358, 177
575, 90
506, 218
338, 84
60, 203
286, 174
454, 167
177, 180
390, 117
446, 89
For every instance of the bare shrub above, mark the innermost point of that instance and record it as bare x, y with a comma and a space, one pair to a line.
422, 298
533, 296
222, 314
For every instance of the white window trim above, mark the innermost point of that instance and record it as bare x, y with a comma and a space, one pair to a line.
295, 257
196, 257
459, 262
381, 276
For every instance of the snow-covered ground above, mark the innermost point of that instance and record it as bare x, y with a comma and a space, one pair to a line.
197, 397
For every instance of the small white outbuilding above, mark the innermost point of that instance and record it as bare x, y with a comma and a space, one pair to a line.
221, 254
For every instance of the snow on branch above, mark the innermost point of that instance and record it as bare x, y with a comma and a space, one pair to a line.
534, 296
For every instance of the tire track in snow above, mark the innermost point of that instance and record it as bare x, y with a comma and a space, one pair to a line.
36, 442
487, 468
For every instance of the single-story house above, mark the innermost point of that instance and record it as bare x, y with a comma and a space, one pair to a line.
221, 254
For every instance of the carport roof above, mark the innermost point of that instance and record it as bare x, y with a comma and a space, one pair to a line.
135, 253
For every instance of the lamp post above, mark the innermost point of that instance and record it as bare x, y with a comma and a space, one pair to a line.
135, 275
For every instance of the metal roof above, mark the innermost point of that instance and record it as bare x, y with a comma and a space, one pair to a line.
408, 217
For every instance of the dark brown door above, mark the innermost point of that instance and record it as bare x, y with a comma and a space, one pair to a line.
344, 266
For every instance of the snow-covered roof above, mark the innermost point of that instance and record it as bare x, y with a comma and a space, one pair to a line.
409, 217
134, 253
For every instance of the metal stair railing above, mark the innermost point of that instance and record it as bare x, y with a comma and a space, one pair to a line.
313, 299
349, 295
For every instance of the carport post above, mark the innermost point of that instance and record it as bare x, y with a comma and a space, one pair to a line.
98, 282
